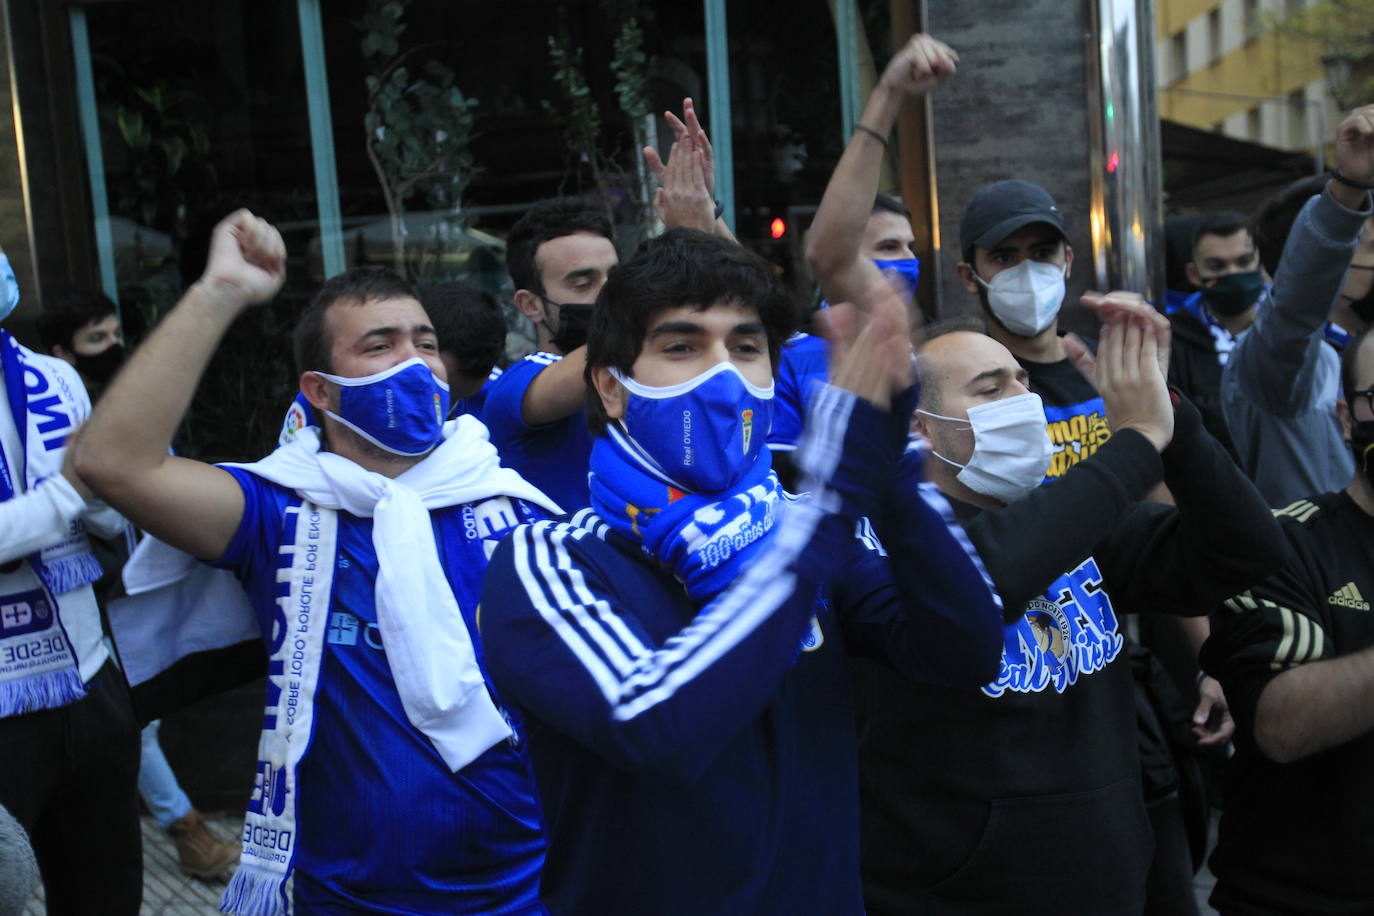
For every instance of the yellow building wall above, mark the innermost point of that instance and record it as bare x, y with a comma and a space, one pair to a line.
1174, 15
1268, 66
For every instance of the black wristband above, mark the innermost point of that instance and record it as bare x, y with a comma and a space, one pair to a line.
1350, 182
872, 133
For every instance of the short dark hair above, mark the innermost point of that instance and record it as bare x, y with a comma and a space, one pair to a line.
68, 313
681, 267
548, 219
1350, 360
1221, 224
886, 203
973, 324
1276, 220
469, 325
1179, 230
310, 344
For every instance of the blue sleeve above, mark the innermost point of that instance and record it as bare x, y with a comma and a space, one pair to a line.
254, 543
503, 412
803, 363
566, 643
918, 595
787, 404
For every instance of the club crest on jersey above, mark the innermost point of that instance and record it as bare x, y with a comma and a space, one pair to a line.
1068, 633
748, 418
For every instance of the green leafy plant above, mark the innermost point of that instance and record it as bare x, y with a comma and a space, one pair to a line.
419, 125
1343, 28
617, 188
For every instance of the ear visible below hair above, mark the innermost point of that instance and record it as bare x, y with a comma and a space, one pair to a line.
1193, 276
613, 394
966, 276
315, 389
529, 305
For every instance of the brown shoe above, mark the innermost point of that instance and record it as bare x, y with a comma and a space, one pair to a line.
202, 854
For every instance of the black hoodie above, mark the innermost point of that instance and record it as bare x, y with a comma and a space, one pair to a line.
1023, 796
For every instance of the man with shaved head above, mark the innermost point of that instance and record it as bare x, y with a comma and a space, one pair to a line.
972, 825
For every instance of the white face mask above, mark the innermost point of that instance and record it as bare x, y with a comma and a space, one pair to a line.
1026, 298
1011, 448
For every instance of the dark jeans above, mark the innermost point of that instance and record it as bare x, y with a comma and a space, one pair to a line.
69, 775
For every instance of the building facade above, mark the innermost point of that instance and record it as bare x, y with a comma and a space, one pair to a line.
1231, 67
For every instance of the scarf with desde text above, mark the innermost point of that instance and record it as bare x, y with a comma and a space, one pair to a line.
38, 665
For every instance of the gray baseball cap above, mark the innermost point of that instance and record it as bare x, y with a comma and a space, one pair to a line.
1003, 207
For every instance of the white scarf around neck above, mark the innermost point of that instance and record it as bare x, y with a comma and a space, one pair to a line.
427, 644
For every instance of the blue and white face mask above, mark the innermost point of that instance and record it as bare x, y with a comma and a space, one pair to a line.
909, 269
703, 434
401, 409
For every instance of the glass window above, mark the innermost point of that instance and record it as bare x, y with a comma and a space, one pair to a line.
785, 93
450, 121
201, 109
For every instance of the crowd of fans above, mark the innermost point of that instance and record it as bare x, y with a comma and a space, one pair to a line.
690, 612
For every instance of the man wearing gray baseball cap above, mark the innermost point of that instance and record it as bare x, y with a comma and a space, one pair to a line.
1016, 258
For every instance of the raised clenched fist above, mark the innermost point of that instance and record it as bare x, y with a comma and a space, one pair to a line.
247, 262
921, 65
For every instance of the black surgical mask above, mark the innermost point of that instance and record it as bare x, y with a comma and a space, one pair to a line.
100, 367
1362, 444
1232, 294
573, 320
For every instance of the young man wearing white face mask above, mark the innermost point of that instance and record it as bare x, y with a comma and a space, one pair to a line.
1016, 259
1027, 789
680, 648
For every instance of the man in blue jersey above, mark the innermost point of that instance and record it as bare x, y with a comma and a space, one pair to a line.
884, 238
472, 337
390, 779
680, 646
558, 254
857, 227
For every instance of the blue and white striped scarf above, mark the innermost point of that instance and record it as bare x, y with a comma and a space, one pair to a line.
707, 538
38, 665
